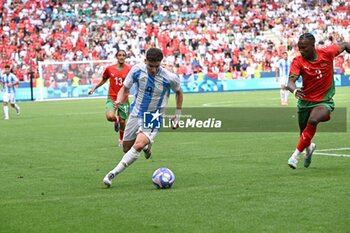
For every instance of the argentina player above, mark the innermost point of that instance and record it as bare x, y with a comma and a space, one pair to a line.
9, 82
153, 85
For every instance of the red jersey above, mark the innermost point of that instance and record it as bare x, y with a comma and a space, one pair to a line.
116, 78
318, 82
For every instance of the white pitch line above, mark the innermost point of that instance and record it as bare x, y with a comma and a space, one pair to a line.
334, 149
336, 155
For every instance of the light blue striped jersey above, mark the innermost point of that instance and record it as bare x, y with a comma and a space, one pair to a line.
6, 79
152, 92
284, 67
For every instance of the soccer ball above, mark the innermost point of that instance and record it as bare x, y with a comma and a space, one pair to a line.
163, 178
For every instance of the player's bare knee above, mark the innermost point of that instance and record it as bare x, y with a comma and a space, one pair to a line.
313, 121
139, 146
327, 117
110, 116
110, 119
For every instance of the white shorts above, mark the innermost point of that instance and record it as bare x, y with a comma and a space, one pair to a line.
9, 97
283, 81
134, 126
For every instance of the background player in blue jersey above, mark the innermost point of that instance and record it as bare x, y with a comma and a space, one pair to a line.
8, 83
153, 85
282, 72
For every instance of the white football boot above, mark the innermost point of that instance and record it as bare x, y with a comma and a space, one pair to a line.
107, 180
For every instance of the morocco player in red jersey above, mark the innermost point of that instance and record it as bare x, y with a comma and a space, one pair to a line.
116, 75
315, 98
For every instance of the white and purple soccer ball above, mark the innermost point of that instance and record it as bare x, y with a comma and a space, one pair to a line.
163, 178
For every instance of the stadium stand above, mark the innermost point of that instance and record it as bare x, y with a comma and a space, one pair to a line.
242, 38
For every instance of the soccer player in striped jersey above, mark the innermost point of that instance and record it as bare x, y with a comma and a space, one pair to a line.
153, 86
282, 71
8, 83
315, 98
116, 75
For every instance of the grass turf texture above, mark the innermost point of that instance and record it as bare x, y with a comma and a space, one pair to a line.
54, 156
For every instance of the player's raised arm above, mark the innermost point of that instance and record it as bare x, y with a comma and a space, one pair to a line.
344, 46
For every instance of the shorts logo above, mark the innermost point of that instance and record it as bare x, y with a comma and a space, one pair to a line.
152, 120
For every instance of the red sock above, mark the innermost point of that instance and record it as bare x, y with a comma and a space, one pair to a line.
306, 137
121, 134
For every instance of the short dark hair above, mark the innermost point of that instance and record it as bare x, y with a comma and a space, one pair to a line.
154, 55
307, 36
7, 66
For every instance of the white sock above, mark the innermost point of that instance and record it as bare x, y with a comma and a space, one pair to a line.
131, 156
296, 154
17, 108
282, 94
286, 94
6, 112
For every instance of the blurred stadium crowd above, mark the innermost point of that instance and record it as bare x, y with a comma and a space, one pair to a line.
195, 35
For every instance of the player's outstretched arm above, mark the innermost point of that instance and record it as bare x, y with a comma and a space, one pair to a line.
121, 96
344, 46
103, 81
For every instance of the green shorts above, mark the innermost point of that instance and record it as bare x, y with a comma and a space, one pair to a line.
123, 109
305, 107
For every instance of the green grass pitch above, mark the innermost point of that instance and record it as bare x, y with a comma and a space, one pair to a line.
54, 156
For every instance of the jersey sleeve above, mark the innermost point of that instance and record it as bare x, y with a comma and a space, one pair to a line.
295, 67
132, 76
14, 78
105, 74
333, 51
175, 83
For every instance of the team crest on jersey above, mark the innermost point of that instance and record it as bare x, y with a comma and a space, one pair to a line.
158, 85
143, 79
